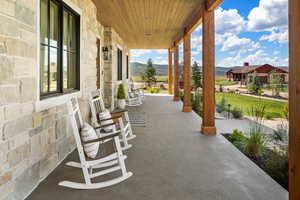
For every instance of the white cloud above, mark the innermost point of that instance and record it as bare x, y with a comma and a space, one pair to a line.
137, 53
236, 44
141, 52
269, 15
257, 58
229, 22
280, 37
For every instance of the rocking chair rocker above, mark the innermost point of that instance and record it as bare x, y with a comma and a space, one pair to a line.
111, 163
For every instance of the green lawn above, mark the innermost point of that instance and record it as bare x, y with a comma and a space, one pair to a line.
220, 78
226, 83
158, 78
274, 108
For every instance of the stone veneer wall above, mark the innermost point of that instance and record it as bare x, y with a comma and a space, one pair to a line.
33, 143
113, 40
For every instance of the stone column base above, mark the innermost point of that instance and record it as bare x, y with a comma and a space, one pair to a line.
176, 98
187, 109
208, 130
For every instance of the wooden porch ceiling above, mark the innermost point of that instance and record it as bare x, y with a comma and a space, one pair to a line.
152, 24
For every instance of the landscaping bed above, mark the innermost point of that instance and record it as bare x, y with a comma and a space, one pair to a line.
272, 161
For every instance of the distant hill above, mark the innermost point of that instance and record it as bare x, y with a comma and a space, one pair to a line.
162, 70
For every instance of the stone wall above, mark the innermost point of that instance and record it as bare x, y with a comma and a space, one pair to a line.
114, 41
33, 143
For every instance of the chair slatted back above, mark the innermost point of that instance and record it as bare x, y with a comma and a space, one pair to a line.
97, 105
77, 124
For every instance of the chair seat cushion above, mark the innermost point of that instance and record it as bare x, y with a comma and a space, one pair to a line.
106, 115
88, 133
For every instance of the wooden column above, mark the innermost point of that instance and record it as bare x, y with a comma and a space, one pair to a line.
187, 73
170, 73
176, 74
208, 56
294, 99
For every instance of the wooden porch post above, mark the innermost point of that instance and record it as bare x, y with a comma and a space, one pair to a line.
187, 73
208, 56
170, 72
176, 74
294, 99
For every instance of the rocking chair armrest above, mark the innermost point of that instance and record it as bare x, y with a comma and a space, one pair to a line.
117, 133
103, 126
111, 118
119, 111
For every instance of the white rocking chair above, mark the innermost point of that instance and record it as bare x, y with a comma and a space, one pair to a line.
98, 107
138, 92
133, 98
111, 163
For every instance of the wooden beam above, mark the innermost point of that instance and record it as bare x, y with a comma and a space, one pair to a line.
187, 73
213, 4
191, 24
294, 99
176, 74
208, 56
196, 19
170, 72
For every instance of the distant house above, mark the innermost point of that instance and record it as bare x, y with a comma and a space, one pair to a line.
263, 72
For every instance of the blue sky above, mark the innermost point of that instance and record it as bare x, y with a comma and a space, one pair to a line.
254, 31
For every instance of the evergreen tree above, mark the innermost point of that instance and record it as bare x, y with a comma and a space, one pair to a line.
254, 87
149, 73
196, 75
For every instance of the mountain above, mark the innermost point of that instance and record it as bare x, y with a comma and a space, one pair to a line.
138, 68
162, 70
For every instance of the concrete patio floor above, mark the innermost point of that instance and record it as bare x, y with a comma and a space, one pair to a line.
170, 159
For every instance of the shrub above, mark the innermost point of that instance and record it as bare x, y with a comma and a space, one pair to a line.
237, 113
269, 116
277, 166
221, 106
121, 92
197, 103
181, 94
162, 86
256, 143
154, 90
254, 87
281, 132
258, 111
238, 139
285, 112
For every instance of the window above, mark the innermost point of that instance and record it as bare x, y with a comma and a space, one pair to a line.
59, 48
127, 65
119, 65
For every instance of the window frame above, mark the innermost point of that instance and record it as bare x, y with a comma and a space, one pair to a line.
120, 65
127, 67
62, 6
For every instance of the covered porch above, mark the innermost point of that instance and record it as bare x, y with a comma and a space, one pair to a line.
171, 160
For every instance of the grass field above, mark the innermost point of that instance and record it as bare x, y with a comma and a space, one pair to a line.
158, 78
220, 78
226, 83
274, 109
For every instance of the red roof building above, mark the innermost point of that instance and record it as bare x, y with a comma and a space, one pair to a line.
263, 72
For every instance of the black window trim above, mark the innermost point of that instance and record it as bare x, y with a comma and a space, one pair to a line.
127, 67
60, 90
120, 65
